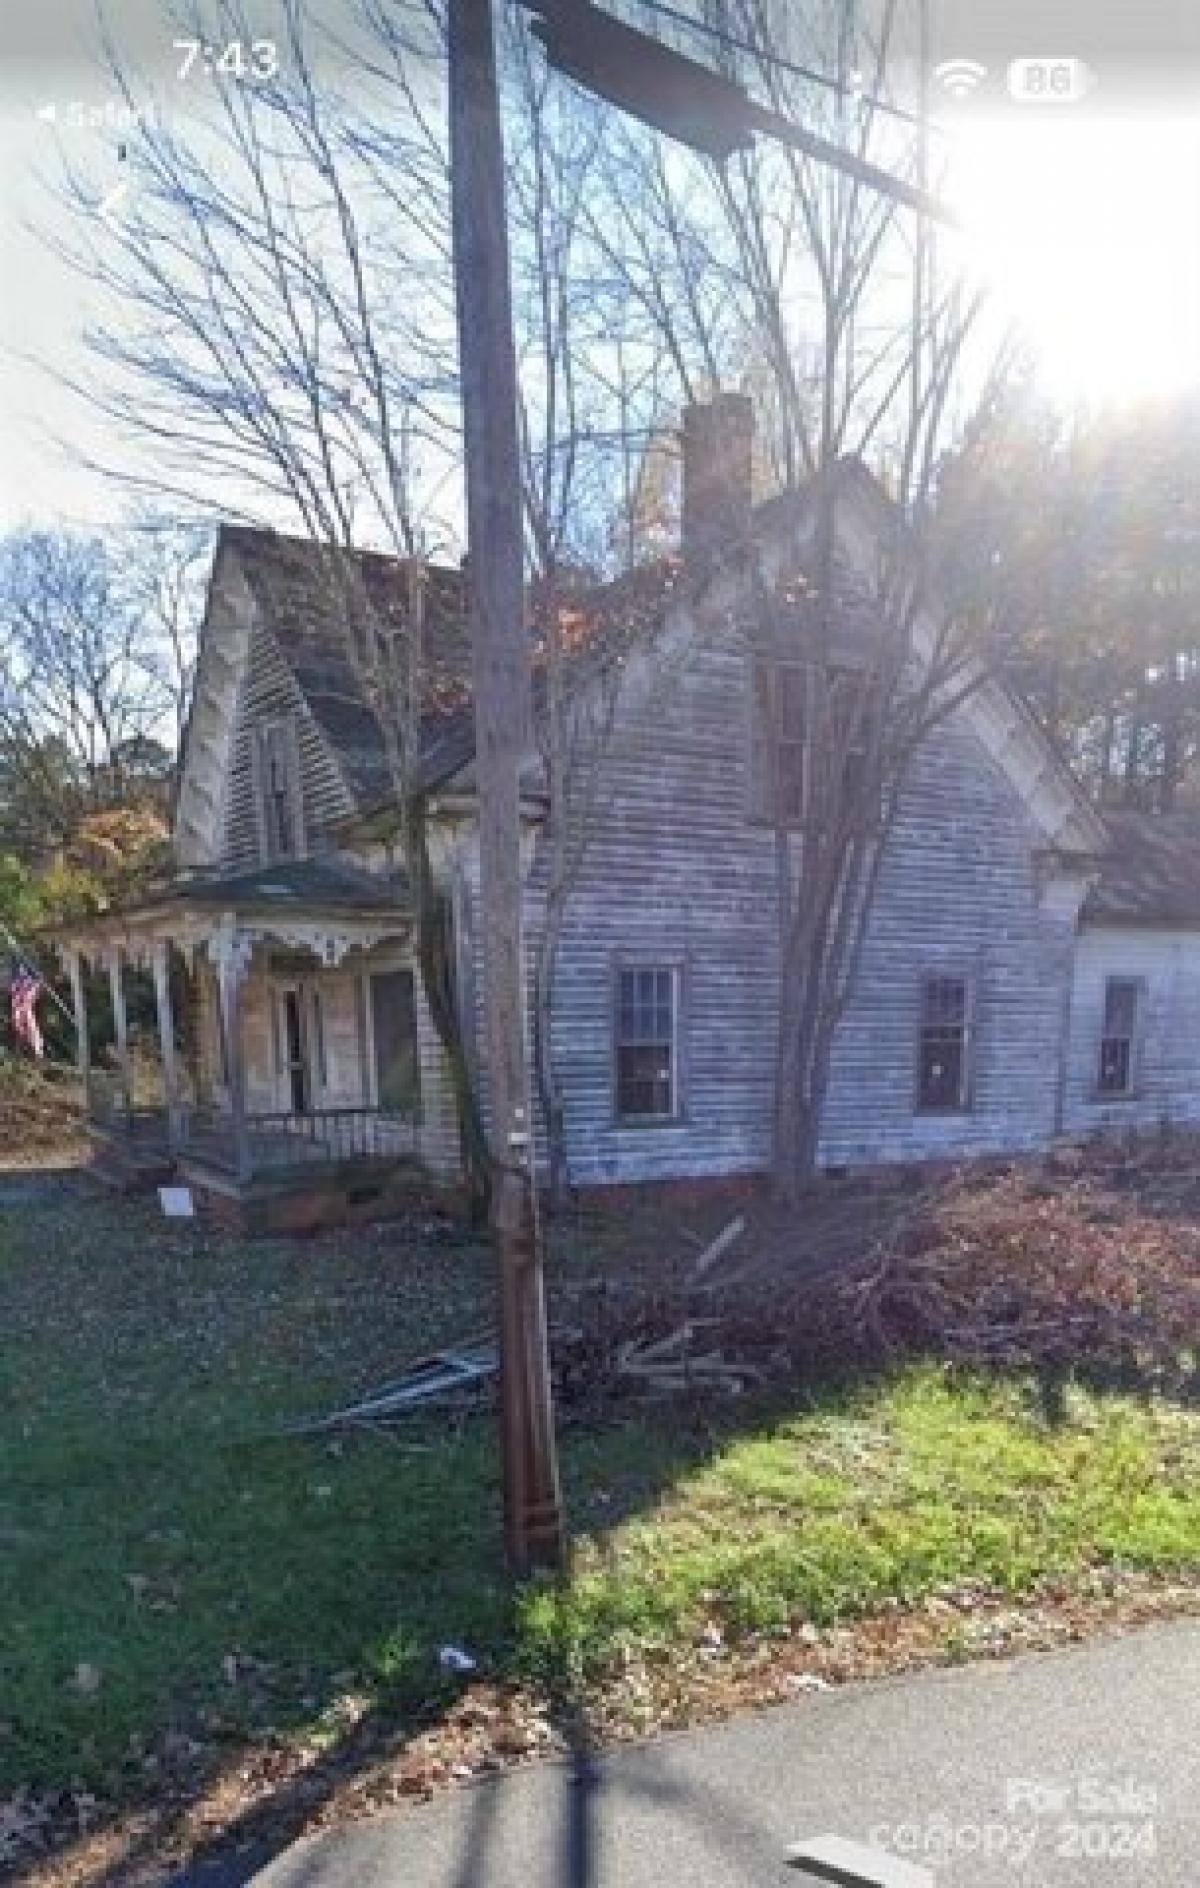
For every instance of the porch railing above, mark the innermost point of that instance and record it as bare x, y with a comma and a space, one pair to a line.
270, 1143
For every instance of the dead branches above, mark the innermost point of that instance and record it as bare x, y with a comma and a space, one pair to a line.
1088, 1264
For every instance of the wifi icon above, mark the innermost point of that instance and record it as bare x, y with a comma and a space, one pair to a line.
959, 77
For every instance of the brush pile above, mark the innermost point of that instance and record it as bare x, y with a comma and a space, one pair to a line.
1088, 1262
1028, 1272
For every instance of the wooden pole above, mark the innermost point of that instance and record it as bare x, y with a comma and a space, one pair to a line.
116, 984
166, 1035
79, 1005
533, 1527
231, 971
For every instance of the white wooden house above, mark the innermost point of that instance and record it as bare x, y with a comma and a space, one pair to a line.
1030, 970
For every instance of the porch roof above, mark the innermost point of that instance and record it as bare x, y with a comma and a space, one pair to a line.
316, 884
1151, 871
286, 894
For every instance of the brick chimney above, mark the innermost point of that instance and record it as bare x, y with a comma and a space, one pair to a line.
718, 449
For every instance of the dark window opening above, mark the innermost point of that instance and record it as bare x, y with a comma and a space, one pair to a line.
1115, 1076
279, 809
788, 751
394, 1026
279, 791
855, 743
295, 1054
791, 740
646, 1043
942, 1049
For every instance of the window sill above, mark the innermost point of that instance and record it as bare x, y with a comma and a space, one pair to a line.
957, 1113
639, 1123
1113, 1097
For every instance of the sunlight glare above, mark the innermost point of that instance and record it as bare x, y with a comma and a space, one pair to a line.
1089, 234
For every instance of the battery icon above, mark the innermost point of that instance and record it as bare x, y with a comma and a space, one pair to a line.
1045, 81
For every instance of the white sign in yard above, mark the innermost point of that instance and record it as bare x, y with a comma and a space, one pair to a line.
177, 1202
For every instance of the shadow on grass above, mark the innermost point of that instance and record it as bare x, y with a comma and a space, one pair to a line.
612, 1475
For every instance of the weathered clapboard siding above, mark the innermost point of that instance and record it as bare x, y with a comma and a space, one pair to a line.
258, 1044
269, 689
1167, 1063
959, 893
674, 871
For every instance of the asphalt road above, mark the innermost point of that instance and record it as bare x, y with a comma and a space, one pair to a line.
1048, 1771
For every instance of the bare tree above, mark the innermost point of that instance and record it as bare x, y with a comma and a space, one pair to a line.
163, 565
835, 309
287, 341
82, 703
288, 333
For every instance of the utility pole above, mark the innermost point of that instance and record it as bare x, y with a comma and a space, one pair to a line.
533, 1526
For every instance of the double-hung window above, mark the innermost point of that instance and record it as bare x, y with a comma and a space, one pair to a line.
943, 1045
1118, 1041
646, 1042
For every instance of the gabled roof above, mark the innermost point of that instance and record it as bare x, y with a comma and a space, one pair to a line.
1150, 873
304, 605
304, 608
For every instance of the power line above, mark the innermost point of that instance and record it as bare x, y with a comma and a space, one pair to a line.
689, 101
735, 43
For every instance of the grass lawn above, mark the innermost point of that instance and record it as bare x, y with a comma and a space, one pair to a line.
173, 1577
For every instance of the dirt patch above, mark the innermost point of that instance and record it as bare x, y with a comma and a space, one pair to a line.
41, 1117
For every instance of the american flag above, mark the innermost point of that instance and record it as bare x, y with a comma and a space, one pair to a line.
23, 993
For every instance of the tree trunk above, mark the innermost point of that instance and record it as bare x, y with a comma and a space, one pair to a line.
549, 1089
436, 963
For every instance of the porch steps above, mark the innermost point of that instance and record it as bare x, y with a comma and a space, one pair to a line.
123, 1168
310, 1198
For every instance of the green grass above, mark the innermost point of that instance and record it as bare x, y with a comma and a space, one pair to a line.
921, 1482
198, 1574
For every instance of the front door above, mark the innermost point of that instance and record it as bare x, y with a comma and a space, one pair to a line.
294, 1045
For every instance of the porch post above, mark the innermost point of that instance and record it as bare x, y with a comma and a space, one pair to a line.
161, 964
83, 1059
120, 1023
233, 951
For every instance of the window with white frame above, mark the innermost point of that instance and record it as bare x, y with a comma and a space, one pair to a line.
943, 1045
646, 1042
1118, 1040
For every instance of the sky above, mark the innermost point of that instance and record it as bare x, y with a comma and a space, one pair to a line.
52, 63
1086, 227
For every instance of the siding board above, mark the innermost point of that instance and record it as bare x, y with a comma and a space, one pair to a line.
674, 867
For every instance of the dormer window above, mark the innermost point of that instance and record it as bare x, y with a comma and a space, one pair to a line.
280, 807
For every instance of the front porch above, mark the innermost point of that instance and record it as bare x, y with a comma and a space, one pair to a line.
293, 1062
